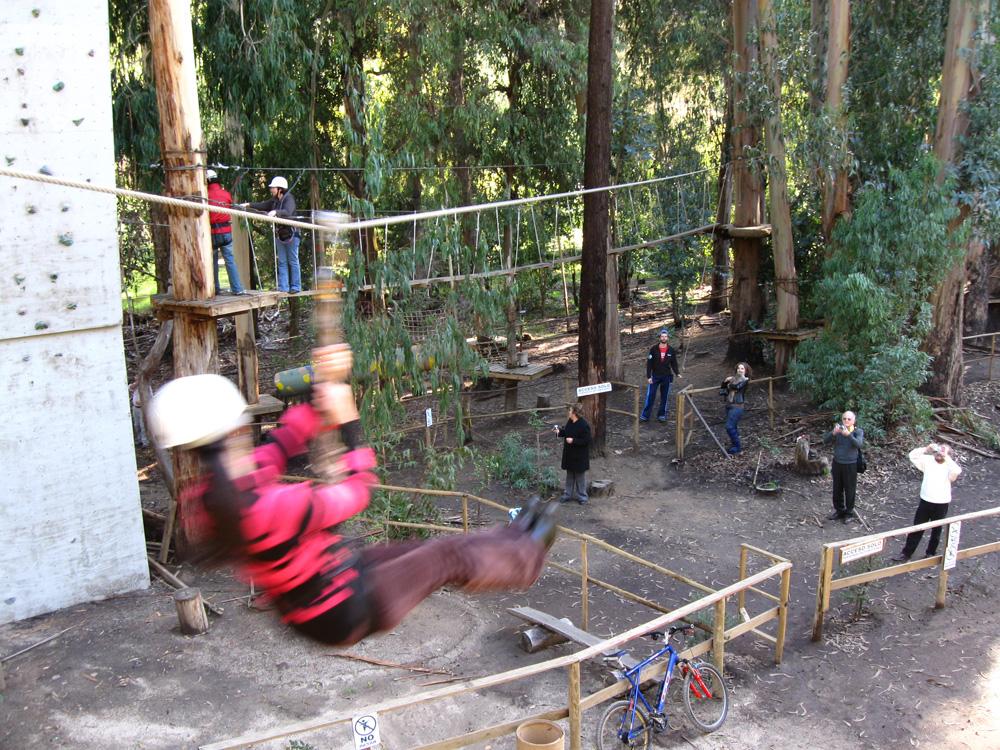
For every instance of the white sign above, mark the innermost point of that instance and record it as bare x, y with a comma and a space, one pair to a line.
366, 732
590, 390
857, 551
951, 549
429, 417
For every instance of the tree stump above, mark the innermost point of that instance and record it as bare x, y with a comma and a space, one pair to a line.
537, 638
807, 461
602, 487
191, 611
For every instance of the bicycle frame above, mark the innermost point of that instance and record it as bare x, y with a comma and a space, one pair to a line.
634, 676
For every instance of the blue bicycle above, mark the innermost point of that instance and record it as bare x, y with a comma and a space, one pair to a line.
630, 723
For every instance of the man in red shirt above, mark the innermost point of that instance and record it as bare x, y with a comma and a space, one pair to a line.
661, 366
222, 233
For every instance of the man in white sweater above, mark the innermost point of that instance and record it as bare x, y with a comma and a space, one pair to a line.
939, 470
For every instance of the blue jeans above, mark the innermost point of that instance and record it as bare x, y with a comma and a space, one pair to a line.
288, 260
663, 384
733, 416
224, 242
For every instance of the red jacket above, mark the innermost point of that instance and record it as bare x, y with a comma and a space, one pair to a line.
290, 547
219, 196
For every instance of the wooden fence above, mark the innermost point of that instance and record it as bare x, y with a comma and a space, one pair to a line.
993, 348
872, 544
577, 703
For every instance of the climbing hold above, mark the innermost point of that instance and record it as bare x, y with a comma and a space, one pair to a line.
70, 305
41, 325
24, 105
10, 159
36, 12
66, 239
77, 122
19, 51
53, 277
22, 312
45, 170
64, 207
25, 121
31, 209
91, 53
58, 86
19, 278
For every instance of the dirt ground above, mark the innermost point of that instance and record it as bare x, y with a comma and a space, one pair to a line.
891, 671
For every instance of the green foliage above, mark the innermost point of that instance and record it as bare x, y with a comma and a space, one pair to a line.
388, 506
518, 466
887, 258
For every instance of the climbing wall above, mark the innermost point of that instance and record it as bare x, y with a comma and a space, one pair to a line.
70, 520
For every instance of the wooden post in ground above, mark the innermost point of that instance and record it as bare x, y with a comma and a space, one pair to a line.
741, 597
191, 611
719, 636
584, 589
182, 148
779, 639
679, 412
575, 714
823, 590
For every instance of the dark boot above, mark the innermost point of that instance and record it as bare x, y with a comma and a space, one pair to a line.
528, 515
543, 530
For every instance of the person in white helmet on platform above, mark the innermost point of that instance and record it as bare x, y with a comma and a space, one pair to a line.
286, 241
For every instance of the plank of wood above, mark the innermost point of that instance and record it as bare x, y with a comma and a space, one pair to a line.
219, 306
571, 632
529, 372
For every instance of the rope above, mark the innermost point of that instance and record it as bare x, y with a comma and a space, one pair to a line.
352, 226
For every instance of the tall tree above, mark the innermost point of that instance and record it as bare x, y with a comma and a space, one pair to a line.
747, 300
786, 281
597, 173
944, 342
835, 185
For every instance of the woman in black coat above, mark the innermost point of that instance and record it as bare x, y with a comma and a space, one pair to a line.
576, 454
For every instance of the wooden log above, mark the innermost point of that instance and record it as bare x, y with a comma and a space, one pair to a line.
191, 611
537, 638
601, 487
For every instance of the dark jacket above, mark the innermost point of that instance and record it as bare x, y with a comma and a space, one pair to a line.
845, 447
734, 391
576, 455
657, 369
283, 207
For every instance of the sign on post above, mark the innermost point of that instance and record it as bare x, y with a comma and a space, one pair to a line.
429, 417
366, 732
857, 551
951, 548
590, 390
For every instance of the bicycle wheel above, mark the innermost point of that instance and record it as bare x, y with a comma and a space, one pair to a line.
706, 699
618, 723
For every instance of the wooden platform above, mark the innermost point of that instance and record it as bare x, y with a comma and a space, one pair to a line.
219, 306
528, 372
799, 334
571, 632
266, 404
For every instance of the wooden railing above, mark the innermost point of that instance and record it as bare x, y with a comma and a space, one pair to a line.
872, 544
577, 702
993, 348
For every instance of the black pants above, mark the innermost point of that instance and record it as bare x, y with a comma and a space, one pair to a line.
845, 485
926, 512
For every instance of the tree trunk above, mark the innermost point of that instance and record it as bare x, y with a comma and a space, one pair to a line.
786, 281
724, 186
944, 342
161, 246
195, 344
747, 300
977, 296
817, 40
597, 173
835, 185
615, 366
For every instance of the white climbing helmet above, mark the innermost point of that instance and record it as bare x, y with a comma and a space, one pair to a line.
196, 410
279, 182
211, 174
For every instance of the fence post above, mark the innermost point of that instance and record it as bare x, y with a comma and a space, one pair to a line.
741, 597
465, 513
575, 715
635, 422
679, 411
779, 639
993, 348
719, 635
823, 590
770, 400
942, 586
584, 586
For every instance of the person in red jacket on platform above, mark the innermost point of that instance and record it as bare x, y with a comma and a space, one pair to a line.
222, 233
285, 536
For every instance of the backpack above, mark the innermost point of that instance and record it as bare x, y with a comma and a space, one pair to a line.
862, 463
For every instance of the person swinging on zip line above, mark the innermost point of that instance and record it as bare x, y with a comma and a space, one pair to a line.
285, 538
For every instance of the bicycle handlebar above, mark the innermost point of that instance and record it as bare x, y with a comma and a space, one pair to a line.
659, 635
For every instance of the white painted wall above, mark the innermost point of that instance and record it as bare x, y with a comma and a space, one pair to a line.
70, 520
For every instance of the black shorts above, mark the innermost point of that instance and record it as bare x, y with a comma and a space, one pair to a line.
334, 626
